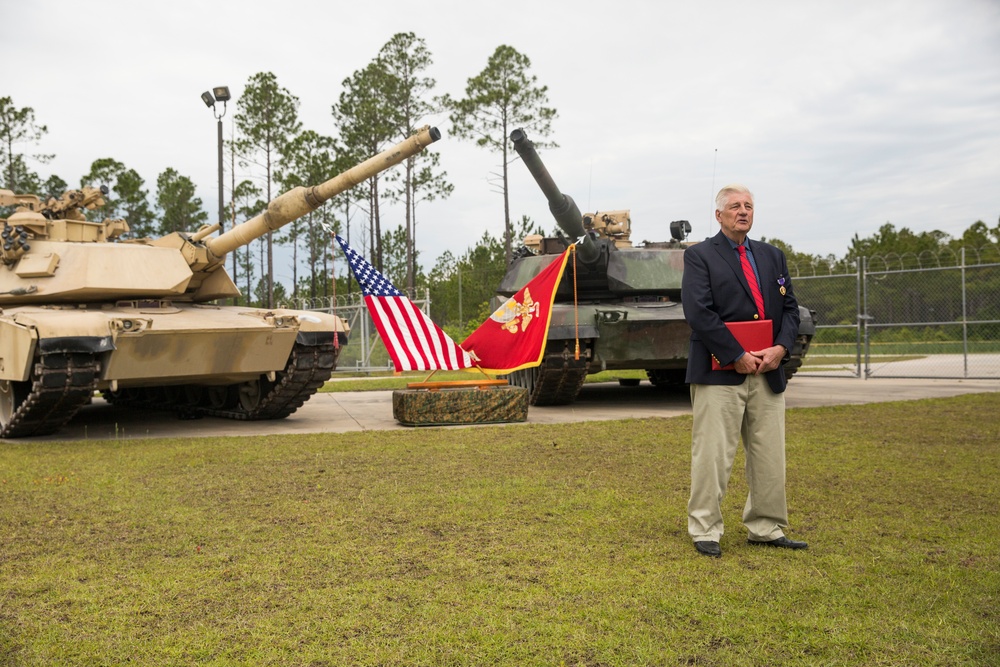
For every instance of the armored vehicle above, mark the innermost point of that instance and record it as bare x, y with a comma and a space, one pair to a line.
628, 312
83, 310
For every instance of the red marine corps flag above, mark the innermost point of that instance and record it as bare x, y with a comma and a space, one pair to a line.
514, 335
414, 342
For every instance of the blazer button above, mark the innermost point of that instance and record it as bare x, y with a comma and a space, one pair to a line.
756, 316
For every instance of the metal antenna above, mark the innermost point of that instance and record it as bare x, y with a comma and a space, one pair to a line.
590, 184
712, 217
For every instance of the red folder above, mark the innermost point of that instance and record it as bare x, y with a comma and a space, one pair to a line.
752, 336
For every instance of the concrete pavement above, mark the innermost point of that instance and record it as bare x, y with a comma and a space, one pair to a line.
337, 412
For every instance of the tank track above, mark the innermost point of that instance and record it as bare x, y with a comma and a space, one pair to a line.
799, 350
61, 384
557, 381
309, 367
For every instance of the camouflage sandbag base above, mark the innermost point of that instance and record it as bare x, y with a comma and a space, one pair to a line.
420, 407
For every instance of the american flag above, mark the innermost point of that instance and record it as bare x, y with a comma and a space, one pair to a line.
414, 342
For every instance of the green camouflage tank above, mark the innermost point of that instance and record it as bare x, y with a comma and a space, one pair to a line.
628, 297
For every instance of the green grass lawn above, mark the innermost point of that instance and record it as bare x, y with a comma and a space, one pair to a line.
504, 545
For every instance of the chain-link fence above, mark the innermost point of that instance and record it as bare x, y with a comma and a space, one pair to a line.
933, 315
365, 353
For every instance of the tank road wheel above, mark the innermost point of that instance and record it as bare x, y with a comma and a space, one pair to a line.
556, 381
193, 395
799, 350
671, 379
309, 366
252, 393
222, 397
526, 378
12, 395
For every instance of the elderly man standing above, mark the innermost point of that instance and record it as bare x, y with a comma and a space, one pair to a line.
728, 278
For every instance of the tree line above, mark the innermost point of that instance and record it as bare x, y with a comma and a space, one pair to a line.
379, 105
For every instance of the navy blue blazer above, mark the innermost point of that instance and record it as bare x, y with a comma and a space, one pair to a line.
714, 291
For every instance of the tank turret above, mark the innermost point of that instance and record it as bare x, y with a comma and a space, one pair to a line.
628, 311
84, 310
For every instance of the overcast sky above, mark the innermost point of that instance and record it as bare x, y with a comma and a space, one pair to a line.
840, 116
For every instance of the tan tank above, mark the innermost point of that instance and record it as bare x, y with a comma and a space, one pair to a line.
83, 311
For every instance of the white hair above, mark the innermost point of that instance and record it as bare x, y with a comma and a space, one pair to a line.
723, 196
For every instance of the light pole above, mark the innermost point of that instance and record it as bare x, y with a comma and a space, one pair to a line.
218, 94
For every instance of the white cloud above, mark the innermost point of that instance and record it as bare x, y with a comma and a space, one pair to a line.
840, 116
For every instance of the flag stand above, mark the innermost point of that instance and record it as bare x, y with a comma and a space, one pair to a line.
442, 403
485, 383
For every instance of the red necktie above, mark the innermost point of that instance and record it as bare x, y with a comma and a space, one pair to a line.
758, 298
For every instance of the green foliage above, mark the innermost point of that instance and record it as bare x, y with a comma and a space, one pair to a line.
366, 124
180, 210
394, 257
127, 199
260, 294
18, 126
500, 99
24, 179
245, 204
310, 160
266, 120
405, 58
462, 289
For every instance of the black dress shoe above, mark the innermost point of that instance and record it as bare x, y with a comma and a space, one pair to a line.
709, 549
782, 542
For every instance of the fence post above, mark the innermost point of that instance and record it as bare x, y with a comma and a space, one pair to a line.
965, 322
864, 315
860, 318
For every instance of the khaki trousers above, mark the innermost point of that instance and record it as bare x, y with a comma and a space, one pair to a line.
722, 415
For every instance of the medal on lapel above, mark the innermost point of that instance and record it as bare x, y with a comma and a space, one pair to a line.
781, 285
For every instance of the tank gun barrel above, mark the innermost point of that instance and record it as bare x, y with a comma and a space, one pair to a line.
300, 201
562, 207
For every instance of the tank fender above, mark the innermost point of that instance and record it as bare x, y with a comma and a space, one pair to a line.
69, 331
90, 344
569, 331
314, 338
38, 331
807, 321
317, 328
17, 350
61, 323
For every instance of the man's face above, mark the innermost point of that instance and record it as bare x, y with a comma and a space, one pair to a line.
736, 217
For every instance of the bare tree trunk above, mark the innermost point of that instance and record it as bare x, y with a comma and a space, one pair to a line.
409, 227
377, 224
270, 243
506, 204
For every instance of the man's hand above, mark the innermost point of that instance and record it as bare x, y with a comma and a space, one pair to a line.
749, 363
768, 358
